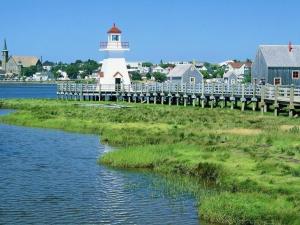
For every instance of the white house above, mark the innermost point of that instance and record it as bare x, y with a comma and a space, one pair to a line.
114, 72
134, 67
239, 68
63, 75
159, 69
43, 76
230, 77
48, 65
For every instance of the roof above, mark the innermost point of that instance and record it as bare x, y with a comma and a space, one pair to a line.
248, 64
280, 56
236, 65
114, 30
47, 63
179, 70
5, 46
26, 61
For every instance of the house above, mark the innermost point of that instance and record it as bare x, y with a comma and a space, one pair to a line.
277, 64
43, 76
230, 77
158, 69
225, 63
12, 65
63, 75
185, 73
48, 65
239, 68
134, 67
2, 74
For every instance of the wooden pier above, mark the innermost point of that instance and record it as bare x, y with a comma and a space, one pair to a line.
256, 97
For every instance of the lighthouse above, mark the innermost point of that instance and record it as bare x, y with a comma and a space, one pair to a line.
114, 74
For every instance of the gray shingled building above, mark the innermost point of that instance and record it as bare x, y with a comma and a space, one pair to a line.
185, 73
277, 64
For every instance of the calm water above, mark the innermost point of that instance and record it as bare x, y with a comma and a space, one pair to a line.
51, 177
27, 90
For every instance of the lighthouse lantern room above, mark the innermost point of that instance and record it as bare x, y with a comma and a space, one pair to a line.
114, 74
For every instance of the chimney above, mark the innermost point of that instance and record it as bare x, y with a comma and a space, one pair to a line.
290, 46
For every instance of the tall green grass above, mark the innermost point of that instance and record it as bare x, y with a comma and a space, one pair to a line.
253, 160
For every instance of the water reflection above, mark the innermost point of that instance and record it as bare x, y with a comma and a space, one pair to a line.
49, 176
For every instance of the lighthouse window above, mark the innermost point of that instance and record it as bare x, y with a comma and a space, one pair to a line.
115, 37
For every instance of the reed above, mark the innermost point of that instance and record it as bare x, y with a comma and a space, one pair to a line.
253, 161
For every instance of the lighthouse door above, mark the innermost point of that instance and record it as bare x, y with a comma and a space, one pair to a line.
117, 84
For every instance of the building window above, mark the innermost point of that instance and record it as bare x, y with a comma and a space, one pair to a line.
115, 37
192, 80
296, 74
277, 81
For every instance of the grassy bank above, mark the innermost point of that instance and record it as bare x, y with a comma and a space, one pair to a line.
253, 160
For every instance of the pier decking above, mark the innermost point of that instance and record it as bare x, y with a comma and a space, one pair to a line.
280, 98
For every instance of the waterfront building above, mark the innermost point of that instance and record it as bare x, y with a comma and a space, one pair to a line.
230, 77
48, 65
158, 69
185, 73
277, 64
239, 68
114, 72
43, 76
12, 65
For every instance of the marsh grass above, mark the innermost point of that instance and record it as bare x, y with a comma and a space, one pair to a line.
253, 160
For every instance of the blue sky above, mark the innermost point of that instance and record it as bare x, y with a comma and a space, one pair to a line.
211, 30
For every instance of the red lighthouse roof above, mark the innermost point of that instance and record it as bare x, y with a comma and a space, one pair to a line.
114, 30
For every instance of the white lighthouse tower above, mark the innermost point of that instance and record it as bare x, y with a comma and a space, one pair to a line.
114, 74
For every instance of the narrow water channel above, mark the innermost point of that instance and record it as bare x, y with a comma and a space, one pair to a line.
51, 177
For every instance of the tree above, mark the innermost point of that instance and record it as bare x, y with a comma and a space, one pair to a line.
167, 65
28, 71
148, 76
205, 74
89, 66
147, 64
247, 78
78, 61
72, 70
159, 77
136, 76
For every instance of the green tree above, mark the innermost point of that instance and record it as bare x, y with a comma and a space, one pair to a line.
28, 71
247, 78
167, 65
147, 64
89, 66
72, 70
78, 61
136, 76
205, 74
159, 77
148, 76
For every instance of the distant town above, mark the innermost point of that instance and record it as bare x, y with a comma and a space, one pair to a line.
274, 64
33, 68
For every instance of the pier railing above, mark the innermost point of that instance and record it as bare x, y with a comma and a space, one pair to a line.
206, 89
281, 97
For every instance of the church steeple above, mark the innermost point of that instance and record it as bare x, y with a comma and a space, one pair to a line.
4, 56
5, 46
